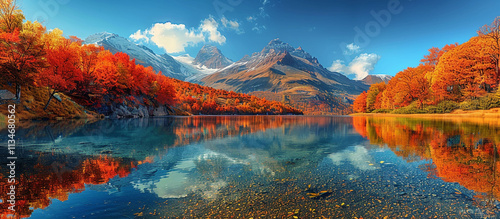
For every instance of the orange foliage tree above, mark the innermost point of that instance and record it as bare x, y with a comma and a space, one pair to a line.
492, 33
454, 72
21, 51
464, 72
63, 71
359, 104
411, 85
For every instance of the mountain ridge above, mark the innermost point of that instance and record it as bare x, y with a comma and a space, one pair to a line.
374, 79
280, 70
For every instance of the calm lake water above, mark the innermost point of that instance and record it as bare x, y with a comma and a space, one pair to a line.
255, 167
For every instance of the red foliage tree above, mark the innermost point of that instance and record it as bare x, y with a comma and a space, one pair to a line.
359, 104
63, 71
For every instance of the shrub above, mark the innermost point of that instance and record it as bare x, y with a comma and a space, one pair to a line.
382, 111
483, 103
446, 106
410, 109
442, 107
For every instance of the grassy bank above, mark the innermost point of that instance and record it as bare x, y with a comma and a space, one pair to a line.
33, 100
489, 117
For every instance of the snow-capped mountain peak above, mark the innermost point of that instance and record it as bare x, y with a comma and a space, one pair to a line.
142, 54
376, 78
98, 37
211, 57
277, 46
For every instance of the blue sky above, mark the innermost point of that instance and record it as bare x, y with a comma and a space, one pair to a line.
325, 29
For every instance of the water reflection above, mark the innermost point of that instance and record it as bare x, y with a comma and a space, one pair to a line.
60, 158
257, 166
465, 152
55, 176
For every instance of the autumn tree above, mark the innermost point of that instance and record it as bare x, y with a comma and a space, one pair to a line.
14, 65
166, 92
435, 53
89, 60
411, 84
359, 104
63, 71
492, 32
105, 73
464, 72
11, 17
373, 96
21, 53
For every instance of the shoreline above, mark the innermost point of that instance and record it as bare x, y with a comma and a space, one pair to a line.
482, 117
491, 113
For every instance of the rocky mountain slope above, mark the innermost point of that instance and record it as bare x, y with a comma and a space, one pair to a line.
281, 72
212, 58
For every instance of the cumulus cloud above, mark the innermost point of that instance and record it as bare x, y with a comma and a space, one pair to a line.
359, 67
209, 26
174, 38
352, 49
233, 25
138, 36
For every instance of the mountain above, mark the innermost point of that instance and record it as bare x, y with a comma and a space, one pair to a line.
375, 79
281, 72
142, 55
212, 58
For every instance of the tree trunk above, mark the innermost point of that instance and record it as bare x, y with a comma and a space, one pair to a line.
18, 91
48, 102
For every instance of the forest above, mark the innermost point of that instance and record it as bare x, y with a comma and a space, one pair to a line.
464, 76
35, 60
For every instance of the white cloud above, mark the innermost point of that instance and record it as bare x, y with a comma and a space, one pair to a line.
258, 28
337, 66
352, 49
233, 25
357, 156
251, 19
360, 66
259, 16
263, 10
174, 38
210, 26
138, 36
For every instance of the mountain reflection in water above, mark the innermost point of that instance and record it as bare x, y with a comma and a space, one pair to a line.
256, 166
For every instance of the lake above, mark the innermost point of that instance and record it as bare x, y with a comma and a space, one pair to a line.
255, 167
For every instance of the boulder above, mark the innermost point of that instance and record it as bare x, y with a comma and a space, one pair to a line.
7, 95
58, 98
